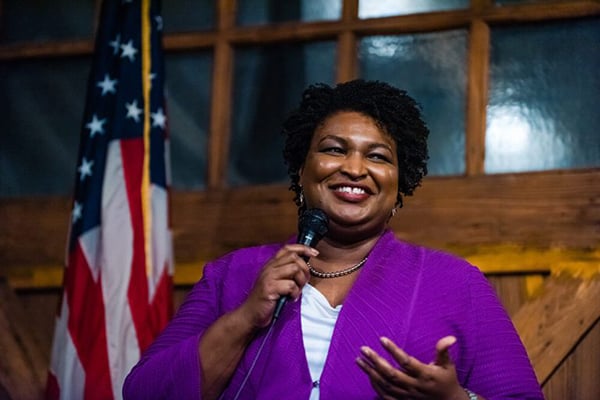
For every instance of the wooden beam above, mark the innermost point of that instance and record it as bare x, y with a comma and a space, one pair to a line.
477, 88
23, 368
347, 60
301, 31
222, 87
538, 210
552, 325
496, 261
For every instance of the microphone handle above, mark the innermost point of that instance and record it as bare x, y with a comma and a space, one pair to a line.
283, 299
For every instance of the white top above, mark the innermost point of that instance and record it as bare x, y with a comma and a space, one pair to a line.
318, 321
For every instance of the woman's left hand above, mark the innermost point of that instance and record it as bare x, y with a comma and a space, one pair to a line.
412, 379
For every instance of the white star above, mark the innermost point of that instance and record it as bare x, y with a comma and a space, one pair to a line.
159, 118
95, 125
133, 111
76, 213
152, 76
107, 85
115, 44
85, 169
128, 50
159, 22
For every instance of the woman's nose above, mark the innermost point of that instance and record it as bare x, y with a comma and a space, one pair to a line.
354, 165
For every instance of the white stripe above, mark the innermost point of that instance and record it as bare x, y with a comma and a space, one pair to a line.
90, 246
65, 364
117, 243
162, 250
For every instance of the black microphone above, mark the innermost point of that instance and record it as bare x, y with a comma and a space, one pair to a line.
312, 226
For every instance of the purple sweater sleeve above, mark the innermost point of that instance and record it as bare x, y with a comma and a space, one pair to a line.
500, 366
170, 368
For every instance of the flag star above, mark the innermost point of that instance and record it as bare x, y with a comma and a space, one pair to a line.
85, 169
77, 212
115, 44
159, 22
152, 76
128, 50
107, 85
133, 111
95, 125
159, 118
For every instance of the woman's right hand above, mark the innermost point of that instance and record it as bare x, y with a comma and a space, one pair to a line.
283, 275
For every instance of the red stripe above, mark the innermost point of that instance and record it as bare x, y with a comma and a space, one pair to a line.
87, 325
132, 156
161, 308
52, 389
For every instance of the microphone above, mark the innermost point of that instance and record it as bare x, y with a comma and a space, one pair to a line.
312, 226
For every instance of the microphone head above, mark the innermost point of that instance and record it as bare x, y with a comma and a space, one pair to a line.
312, 226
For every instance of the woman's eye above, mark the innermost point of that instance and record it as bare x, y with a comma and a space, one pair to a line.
334, 150
379, 157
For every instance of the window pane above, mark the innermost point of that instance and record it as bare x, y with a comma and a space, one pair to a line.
387, 8
268, 84
188, 86
188, 15
544, 96
40, 125
257, 12
431, 67
40, 20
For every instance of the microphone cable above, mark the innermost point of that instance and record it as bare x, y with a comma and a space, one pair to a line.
258, 353
312, 226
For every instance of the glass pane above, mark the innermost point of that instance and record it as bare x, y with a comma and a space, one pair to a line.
544, 96
188, 101
388, 8
268, 84
40, 124
40, 20
188, 15
431, 67
257, 12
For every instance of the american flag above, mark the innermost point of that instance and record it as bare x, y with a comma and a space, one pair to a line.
117, 292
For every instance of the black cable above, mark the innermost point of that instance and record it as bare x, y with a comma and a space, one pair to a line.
258, 353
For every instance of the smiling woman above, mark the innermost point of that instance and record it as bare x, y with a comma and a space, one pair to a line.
377, 316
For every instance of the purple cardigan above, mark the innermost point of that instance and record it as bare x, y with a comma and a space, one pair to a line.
411, 294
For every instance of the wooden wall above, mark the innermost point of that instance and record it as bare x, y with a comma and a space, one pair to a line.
535, 235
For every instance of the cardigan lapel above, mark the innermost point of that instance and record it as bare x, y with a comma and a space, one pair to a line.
379, 304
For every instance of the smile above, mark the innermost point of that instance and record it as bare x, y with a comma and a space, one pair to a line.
352, 190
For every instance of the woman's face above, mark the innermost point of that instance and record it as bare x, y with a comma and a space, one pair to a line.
351, 171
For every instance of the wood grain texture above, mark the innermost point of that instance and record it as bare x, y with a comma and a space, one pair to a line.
545, 210
577, 376
552, 325
23, 365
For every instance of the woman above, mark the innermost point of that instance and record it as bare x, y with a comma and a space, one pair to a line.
368, 316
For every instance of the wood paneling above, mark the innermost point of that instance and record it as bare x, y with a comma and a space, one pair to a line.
552, 324
23, 365
577, 376
539, 210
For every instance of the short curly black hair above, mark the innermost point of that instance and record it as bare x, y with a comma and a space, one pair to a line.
392, 109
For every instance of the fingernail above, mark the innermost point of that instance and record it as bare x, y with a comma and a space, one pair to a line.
385, 341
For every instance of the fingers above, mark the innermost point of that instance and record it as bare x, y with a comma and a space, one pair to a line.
409, 364
388, 382
442, 346
287, 273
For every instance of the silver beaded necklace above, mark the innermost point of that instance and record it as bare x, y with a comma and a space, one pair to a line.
327, 275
